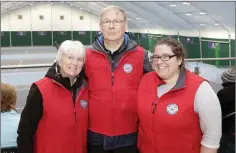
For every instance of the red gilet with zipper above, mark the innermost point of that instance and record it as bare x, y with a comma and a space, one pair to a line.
63, 126
113, 95
168, 124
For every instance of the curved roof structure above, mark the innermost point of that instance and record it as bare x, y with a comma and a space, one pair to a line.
188, 18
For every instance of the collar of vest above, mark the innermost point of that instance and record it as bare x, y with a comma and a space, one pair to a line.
181, 82
84, 82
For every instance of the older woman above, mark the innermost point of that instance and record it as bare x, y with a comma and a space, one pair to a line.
9, 117
178, 110
55, 117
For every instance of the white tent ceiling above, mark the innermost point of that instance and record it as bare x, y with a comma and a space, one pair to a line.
176, 16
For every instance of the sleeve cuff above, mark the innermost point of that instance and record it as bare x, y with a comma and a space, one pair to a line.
210, 145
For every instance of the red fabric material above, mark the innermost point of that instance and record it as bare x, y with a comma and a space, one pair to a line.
167, 130
63, 127
112, 108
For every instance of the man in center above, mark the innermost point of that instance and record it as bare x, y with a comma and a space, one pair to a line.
114, 67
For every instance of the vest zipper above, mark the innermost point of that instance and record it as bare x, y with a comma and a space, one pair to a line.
154, 105
75, 126
76, 99
112, 79
79, 94
74, 104
113, 90
75, 114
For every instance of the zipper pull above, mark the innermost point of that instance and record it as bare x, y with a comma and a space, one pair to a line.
154, 105
112, 79
75, 114
154, 108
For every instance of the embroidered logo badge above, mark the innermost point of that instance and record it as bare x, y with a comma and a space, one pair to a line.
83, 104
172, 109
128, 68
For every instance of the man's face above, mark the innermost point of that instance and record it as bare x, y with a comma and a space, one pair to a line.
113, 25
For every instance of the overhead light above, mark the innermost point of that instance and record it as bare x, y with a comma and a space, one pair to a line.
128, 19
51, 2
93, 3
172, 5
216, 24
137, 18
186, 3
31, 4
202, 24
188, 14
202, 13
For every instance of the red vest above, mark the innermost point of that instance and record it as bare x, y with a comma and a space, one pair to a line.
63, 127
172, 126
113, 96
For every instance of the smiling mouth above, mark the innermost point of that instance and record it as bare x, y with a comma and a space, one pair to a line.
74, 69
161, 67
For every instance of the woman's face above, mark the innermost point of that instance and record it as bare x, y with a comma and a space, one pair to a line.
167, 66
71, 64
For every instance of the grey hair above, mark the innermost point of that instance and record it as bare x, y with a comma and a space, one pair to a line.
110, 7
70, 46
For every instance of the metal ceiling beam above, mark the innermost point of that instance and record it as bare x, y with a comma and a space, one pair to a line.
189, 24
193, 12
222, 27
211, 17
5, 4
83, 8
153, 12
11, 9
15, 5
180, 17
87, 9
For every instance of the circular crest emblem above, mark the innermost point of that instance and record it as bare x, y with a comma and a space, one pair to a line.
172, 109
83, 104
128, 68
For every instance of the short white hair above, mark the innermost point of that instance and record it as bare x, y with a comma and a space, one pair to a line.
70, 46
110, 7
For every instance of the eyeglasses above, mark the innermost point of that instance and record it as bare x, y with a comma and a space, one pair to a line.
115, 22
155, 58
